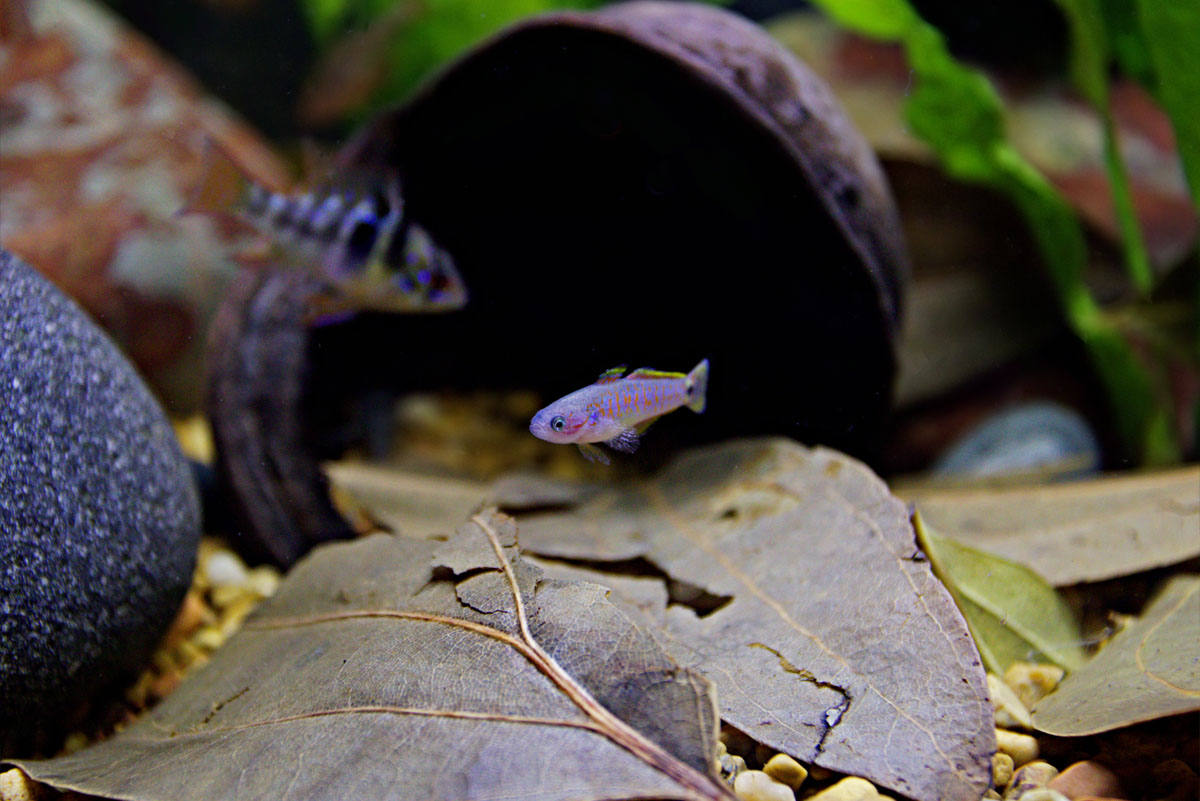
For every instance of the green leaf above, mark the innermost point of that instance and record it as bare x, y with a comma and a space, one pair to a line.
880, 19
1013, 614
1090, 60
1128, 44
957, 112
1170, 28
1089, 49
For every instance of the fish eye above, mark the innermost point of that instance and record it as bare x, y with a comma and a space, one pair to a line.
558, 423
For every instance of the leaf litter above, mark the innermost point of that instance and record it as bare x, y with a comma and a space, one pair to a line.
1149, 669
1075, 532
1014, 615
378, 658
790, 578
820, 623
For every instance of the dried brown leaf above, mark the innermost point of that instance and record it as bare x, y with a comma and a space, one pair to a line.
396, 668
799, 591
1077, 532
1149, 670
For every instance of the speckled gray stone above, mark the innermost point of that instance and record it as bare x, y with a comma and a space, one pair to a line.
99, 519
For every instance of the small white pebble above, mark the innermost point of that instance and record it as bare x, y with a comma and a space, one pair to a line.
224, 567
1034, 776
1031, 681
1002, 769
263, 581
209, 637
850, 788
1010, 712
16, 786
782, 768
1021, 747
1042, 794
224, 596
754, 785
730, 766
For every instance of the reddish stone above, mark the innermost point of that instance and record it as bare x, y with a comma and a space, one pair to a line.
103, 140
1087, 779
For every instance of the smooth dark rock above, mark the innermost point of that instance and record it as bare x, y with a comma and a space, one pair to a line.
99, 518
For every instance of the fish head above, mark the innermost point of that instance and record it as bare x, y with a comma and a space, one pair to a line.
403, 271
558, 423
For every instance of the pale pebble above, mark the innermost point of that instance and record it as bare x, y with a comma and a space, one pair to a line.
850, 788
1042, 794
263, 581
237, 612
992, 795
1029, 777
731, 766
188, 654
1031, 681
754, 785
1002, 769
1009, 711
225, 567
226, 595
16, 786
1087, 778
209, 638
782, 768
1021, 747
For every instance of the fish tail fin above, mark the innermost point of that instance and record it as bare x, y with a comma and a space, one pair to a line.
697, 387
225, 188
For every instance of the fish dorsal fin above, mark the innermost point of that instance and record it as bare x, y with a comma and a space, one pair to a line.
611, 375
650, 372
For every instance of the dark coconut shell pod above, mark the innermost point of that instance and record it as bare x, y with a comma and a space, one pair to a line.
650, 184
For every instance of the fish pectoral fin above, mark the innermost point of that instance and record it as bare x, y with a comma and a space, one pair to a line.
612, 374
643, 426
592, 453
626, 441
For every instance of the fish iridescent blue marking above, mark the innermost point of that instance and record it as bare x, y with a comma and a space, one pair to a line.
354, 237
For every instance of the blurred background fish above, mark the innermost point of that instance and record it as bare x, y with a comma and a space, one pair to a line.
351, 232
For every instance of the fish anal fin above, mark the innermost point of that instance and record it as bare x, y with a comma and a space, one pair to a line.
611, 375
650, 372
592, 453
626, 441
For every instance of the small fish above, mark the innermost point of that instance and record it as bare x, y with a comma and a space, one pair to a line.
356, 238
617, 411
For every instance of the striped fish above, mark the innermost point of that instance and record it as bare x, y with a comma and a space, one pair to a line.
616, 410
355, 238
